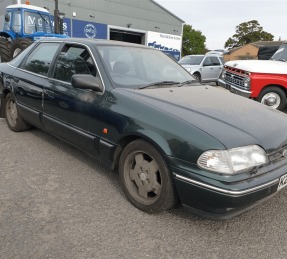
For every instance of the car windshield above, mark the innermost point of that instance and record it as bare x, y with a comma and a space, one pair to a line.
191, 60
281, 53
136, 67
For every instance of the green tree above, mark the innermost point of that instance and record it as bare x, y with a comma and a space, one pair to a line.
193, 42
246, 33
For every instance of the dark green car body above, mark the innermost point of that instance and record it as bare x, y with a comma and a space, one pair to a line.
180, 121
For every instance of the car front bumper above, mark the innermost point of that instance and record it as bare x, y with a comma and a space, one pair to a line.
220, 200
234, 89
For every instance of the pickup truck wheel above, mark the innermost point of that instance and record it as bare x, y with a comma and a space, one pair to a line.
145, 177
273, 97
5, 47
19, 45
13, 118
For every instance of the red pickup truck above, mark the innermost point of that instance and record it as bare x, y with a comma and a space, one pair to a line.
262, 80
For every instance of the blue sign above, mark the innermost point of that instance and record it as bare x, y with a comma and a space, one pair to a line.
84, 29
66, 25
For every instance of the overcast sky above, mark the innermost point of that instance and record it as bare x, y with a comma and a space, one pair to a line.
217, 19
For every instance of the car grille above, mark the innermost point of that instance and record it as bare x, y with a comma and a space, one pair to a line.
236, 77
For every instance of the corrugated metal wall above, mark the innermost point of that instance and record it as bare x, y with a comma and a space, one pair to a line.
135, 14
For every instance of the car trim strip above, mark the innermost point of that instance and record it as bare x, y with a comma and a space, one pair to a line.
28, 109
237, 193
80, 132
105, 143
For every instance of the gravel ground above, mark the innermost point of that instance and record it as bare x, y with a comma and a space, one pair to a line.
55, 202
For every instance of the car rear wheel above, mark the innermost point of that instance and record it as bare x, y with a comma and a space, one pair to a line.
145, 177
13, 118
273, 97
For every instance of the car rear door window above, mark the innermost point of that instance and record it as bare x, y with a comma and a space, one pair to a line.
40, 58
215, 61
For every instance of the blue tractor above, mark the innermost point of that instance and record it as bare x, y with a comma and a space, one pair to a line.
24, 24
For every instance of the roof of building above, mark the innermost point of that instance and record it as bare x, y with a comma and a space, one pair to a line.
167, 11
266, 43
258, 44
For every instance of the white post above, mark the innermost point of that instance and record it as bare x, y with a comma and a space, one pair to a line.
18, 1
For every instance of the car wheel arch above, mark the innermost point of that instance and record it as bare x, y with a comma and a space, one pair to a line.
197, 75
151, 137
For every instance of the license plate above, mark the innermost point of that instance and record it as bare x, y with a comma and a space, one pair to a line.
282, 182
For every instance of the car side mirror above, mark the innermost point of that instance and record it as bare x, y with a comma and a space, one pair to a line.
83, 81
7, 17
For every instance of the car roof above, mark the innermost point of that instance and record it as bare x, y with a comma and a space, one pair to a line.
206, 54
195, 55
95, 41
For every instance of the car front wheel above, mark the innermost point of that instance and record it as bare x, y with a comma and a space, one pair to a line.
145, 177
197, 77
273, 97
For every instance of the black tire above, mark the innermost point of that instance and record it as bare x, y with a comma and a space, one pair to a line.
146, 179
197, 76
13, 117
273, 97
19, 45
5, 50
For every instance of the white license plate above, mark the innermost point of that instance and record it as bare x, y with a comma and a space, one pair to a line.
282, 182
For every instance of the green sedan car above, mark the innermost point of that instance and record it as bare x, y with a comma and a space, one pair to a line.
172, 140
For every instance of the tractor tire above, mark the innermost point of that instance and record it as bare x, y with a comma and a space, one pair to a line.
19, 45
5, 50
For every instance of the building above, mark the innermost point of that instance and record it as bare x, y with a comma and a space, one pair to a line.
255, 50
143, 21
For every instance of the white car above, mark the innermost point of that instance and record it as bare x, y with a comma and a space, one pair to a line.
206, 68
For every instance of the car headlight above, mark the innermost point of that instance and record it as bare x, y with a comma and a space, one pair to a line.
246, 82
234, 160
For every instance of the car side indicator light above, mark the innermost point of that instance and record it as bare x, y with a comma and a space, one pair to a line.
105, 130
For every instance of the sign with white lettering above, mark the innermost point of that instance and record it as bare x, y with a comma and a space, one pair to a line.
165, 42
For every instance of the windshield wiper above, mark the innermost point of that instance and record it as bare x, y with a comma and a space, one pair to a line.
43, 18
158, 84
188, 82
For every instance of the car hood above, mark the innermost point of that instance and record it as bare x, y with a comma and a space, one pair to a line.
260, 66
231, 119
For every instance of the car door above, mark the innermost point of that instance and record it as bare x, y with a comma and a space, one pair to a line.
217, 67
30, 79
70, 113
207, 69
212, 68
